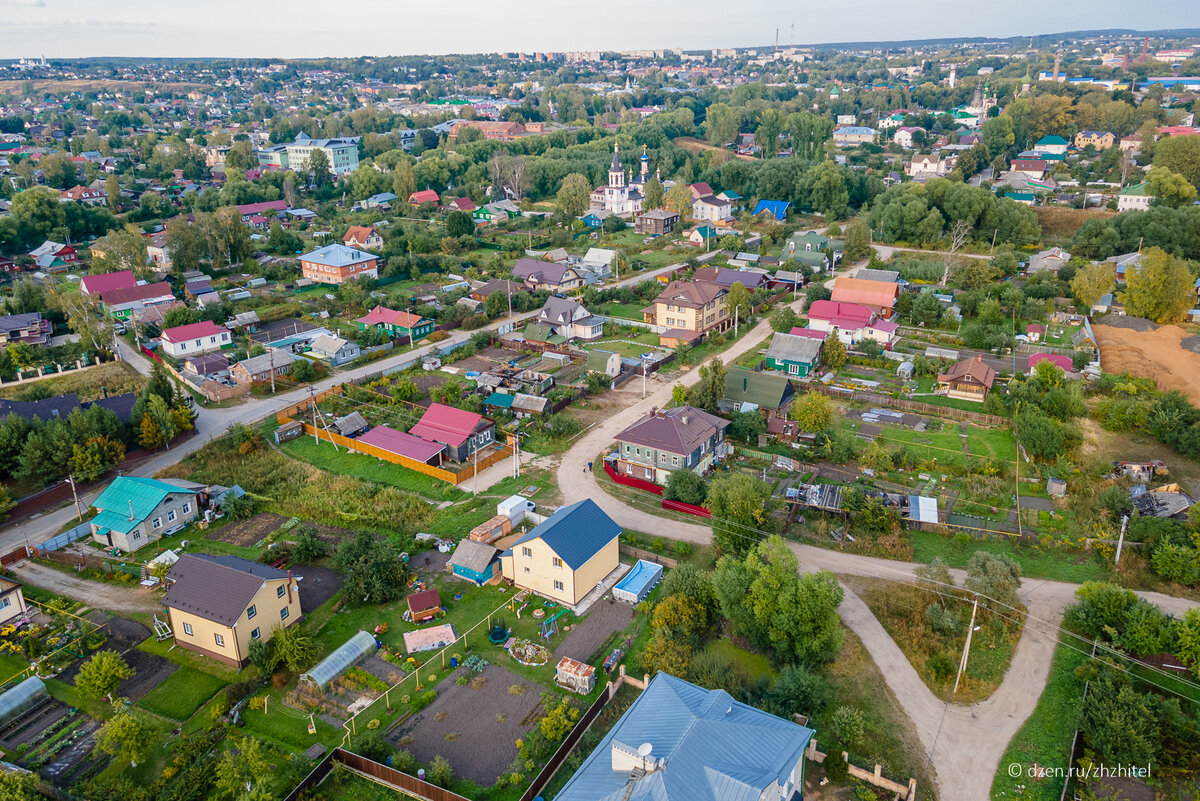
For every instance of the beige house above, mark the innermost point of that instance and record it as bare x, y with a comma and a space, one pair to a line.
218, 604
690, 306
133, 512
566, 557
1100, 140
12, 600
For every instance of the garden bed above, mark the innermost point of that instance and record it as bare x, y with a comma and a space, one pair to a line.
474, 725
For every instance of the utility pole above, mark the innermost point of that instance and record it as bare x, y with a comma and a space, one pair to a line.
79, 512
312, 402
643, 375
962, 664
475, 476
736, 309
1121, 540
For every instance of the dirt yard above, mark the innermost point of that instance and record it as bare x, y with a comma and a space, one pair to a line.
693, 145
319, 585
474, 725
603, 620
123, 637
247, 532
1151, 354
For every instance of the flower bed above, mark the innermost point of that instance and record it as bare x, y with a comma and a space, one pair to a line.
529, 653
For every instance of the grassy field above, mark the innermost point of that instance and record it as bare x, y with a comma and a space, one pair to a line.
184, 691
889, 736
368, 468
630, 311
117, 377
1036, 562
946, 445
925, 388
901, 611
1045, 739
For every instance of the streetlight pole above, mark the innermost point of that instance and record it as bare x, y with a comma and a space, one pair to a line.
643, 375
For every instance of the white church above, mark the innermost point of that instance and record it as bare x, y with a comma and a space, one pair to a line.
624, 193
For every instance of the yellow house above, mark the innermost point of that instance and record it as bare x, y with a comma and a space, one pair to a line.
697, 306
566, 557
218, 604
1100, 140
12, 600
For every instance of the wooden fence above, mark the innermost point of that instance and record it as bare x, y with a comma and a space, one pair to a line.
410, 785
15, 555
567, 745
911, 406
648, 556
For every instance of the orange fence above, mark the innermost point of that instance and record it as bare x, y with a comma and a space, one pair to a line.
449, 476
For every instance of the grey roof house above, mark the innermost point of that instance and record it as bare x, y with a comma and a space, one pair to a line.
680, 742
671, 439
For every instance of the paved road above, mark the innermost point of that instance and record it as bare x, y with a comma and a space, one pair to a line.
213, 422
96, 594
972, 739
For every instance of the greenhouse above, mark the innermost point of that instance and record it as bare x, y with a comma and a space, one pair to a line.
20, 698
341, 660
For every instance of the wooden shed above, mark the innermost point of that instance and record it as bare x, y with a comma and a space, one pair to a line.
424, 605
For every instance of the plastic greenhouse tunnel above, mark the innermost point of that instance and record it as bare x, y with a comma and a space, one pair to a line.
341, 660
21, 697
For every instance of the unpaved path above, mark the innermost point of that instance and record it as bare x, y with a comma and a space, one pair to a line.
966, 742
96, 594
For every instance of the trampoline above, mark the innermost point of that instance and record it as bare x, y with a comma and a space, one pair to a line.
638, 582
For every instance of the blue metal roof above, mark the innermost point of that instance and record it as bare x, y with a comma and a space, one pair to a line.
576, 533
777, 208
705, 746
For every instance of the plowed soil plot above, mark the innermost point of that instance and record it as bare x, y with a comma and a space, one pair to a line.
474, 725
247, 532
1151, 354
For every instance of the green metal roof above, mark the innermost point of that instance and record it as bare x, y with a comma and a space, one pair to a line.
1141, 189
129, 496
762, 389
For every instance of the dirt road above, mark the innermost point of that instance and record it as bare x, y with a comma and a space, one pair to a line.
1151, 354
966, 742
96, 594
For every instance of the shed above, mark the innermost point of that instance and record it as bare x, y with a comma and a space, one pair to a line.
1056, 487
475, 561
638, 582
575, 676
351, 424
515, 507
492, 530
289, 431
424, 605
345, 657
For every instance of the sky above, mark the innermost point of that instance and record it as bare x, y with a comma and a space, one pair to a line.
316, 28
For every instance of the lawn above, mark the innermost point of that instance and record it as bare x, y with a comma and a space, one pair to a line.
1036, 562
901, 608
184, 691
753, 666
924, 394
627, 348
189, 659
946, 444
368, 468
117, 377
629, 311
1045, 739
12, 666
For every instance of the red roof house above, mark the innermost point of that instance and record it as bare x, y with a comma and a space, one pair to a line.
879, 295
462, 432
462, 204
105, 282
401, 444
423, 196
1057, 359
844, 315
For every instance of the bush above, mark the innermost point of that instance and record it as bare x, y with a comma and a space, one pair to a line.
944, 620
424, 699
440, 772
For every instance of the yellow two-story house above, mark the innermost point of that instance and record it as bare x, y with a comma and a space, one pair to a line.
218, 604
566, 557
689, 307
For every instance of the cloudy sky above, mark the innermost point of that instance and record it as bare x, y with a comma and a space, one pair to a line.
313, 28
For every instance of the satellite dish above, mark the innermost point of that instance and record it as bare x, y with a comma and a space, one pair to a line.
644, 750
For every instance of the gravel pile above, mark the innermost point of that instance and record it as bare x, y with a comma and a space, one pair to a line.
1190, 343
1123, 321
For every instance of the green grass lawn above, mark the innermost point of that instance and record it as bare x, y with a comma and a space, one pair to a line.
627, 348
1048, 563
360, 465
184, 691
750, 664
12, 666
188, 659
946, 445
925, 388
1045, 739
630, 311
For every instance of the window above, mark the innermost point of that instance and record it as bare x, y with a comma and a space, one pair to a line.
187, 629
254, 635
793, 369
526, 552
183, 346
157, 522
558, 585
284, 612
219, 640
279, 591
187, 508
212, 339
251, 612
5, 603
171, 516
556, 561
137, 535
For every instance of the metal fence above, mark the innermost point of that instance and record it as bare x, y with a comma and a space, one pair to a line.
564, 750
66, 538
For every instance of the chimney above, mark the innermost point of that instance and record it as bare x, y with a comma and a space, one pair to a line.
131, 509
979, 358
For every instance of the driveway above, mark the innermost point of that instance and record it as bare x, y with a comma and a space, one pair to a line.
96, 594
